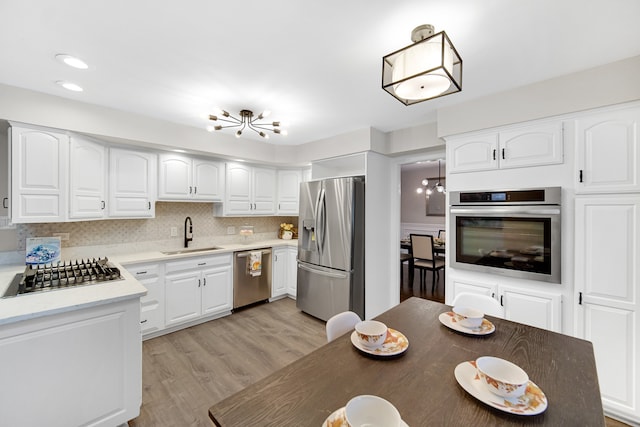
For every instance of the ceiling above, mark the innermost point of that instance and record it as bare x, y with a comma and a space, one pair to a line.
316, 65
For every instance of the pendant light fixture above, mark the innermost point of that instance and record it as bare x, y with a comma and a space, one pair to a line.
247, 121
438, 186
429, 68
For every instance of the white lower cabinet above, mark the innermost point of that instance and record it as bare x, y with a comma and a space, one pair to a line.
542, 309
284, 279
151, 304
77, 368
607, 278
197, 287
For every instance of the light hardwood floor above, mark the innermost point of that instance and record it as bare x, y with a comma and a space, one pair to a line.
185, 372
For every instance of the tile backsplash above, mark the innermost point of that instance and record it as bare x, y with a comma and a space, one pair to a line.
168, 214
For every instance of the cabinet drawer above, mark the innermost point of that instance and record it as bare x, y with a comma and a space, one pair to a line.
197, 263
143, 271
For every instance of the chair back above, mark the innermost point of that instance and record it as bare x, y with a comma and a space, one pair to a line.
422, 246
481, 302
341, 323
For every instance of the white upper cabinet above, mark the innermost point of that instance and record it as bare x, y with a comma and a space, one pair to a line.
249, 190
184, 178
132, 178
511, 147
39, 162
87, 179
288, 191
608, 151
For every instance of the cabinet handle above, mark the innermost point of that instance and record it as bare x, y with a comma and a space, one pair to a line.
493, 294
149, 205
580, 177
501, 302
494, 154
195, 190
199, 282
579, 298
190, 190
503, 154
141, 272
143, 321
103, 205
204, 282
202, 263
5, 203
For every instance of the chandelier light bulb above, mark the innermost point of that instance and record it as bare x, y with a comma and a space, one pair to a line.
440, 188
238, 133
211, 128
429, 191
419, 190
425, 182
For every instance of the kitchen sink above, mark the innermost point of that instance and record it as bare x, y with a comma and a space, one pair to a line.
188, 251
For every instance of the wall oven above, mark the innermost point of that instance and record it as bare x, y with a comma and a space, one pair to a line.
513, 233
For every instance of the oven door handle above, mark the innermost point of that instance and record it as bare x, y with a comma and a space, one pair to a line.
519, 210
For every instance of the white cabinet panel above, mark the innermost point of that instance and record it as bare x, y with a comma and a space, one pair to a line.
288, 191
279, 272
132, 178
151, 304
249, 190
87, 179
39, 163
472, 153
208, 180
534, 308
474, 288
217, 290
539, 144
608, 152
184, 178
292, 271
182, 293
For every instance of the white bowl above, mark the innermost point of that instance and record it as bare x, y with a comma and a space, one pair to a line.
502, 377
371, 333
371, 411
470, 317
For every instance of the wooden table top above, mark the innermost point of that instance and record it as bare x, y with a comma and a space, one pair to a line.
421, 382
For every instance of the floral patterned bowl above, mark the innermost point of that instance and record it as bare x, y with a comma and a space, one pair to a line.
502, 377
371, 333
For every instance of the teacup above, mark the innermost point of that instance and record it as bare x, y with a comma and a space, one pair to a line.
502, 377
371, 333
469, 317
371, 411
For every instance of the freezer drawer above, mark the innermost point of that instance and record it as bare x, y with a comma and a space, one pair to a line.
323, 292
248, 289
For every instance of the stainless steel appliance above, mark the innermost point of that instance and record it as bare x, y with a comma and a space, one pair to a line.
250, 287
331, 247
49, 277
508, 232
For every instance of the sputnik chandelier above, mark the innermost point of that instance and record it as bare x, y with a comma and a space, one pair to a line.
427, 189
247, 121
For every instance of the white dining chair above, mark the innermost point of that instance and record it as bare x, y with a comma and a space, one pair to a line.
484, 303
341, 323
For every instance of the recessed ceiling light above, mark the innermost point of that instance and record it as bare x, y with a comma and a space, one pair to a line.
177, 150
70, 86
72, 61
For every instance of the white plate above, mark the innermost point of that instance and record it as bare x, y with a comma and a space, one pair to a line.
338, 419
533, 402
394, 344
450, 320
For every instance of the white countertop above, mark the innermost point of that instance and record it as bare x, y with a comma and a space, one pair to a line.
40, 304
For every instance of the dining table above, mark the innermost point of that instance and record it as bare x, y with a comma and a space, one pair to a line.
428, 380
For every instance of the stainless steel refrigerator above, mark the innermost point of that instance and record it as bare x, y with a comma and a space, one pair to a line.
331, 247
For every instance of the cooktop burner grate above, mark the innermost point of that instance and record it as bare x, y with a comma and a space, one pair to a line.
47, 277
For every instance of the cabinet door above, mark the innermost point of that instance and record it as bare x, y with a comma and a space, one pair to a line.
87, 179
131, 183
5, 170
39, 161
292, 271
607, 281
217, 295
535, 145
208, 180
288, 191
460, 286
182, 297
608, 152
174, 177
264, 191
237, 189
472, 153
279, 279
535, 308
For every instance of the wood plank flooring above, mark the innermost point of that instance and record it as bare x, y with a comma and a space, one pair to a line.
186, 372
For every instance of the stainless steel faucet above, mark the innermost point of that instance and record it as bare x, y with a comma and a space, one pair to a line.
188, 232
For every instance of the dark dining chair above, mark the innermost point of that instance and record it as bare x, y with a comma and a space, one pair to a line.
425, 258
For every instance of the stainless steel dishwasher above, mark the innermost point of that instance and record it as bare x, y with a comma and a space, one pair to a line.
249, 288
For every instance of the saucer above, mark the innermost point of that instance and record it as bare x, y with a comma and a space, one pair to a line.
533, 402
339, 419
394, 344
451, 320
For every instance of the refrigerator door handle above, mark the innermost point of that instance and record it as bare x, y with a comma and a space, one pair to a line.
322, 216
336, 275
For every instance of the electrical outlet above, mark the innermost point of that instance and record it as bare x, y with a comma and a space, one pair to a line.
174, 231
231, 230
63, 236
